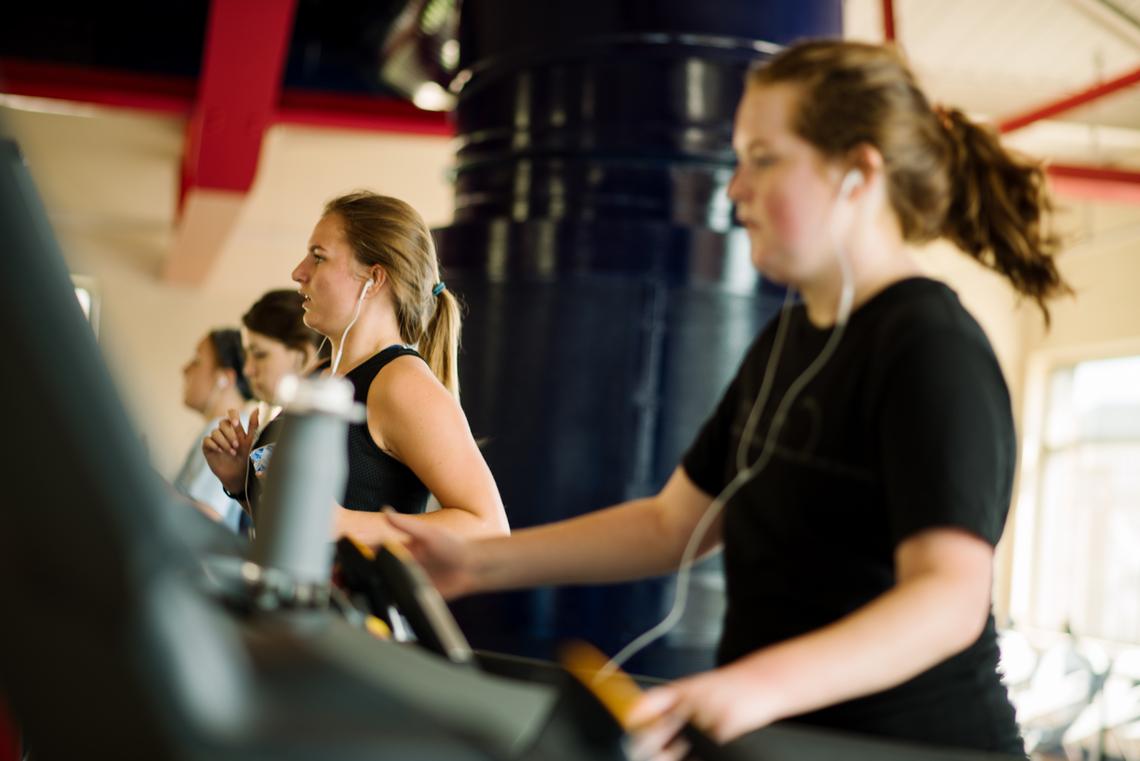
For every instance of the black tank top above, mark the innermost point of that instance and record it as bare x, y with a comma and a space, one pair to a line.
375, 478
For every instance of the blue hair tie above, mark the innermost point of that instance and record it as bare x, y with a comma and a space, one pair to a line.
438, 288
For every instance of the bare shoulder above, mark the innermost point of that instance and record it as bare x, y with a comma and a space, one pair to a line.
407, 405
404, 386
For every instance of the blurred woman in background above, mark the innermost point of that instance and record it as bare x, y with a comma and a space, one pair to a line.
213, 383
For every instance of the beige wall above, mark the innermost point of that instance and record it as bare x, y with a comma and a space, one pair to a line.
109, 181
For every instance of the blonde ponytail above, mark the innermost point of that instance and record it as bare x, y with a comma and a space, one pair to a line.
440, 343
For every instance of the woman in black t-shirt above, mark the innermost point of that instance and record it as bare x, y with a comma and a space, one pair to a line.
864, 453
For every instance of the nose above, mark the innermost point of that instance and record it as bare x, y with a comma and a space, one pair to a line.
735, 186
300, 273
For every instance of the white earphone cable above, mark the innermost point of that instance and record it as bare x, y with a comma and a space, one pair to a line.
746, 474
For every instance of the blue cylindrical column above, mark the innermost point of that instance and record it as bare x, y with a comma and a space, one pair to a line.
611, 295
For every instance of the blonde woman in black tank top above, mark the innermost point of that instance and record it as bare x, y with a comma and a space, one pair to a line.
370, 283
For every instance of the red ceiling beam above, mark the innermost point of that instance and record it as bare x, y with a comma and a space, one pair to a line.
889, 20
9, 737
243, 59
100, 87
341, 111
176, 96
1096, 183
1069, 102
242, 64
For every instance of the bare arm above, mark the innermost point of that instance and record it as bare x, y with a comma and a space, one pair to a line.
937, 608
414, 418
644, 537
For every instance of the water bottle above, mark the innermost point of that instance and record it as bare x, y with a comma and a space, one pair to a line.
307, 476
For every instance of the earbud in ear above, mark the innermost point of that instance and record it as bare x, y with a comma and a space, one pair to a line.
222, 381
368, 286
851, 180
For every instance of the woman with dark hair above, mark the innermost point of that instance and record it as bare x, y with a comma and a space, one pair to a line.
370, 284
213, 383
276, 343
858, 470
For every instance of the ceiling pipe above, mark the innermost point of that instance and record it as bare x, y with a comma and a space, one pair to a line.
1070, 102
1095, 183
1083, 182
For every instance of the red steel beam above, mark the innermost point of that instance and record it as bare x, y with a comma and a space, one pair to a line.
9, 736
340, 111
242, 63
176, 96
100, 87
1096, 183
243, 59
1069, 102
889, 20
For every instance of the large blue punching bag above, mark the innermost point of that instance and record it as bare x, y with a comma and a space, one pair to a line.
610, 293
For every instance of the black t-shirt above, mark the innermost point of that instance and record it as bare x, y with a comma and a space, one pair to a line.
906, 427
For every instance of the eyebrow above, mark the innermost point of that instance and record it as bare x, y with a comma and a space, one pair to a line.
316, 247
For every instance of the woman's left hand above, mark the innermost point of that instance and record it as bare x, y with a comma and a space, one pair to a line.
722, 703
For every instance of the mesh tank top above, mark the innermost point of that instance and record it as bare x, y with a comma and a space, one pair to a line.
375, 478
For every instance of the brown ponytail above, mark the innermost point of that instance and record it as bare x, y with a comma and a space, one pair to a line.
1000, 208
387, 232
946, 176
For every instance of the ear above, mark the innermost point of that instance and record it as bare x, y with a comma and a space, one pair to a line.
301, 357
863, 169
226, 377
378, 277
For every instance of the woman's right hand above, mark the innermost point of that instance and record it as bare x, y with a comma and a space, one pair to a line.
448, 558
227, 450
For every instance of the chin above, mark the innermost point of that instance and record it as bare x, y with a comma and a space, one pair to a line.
311, 321
768, 269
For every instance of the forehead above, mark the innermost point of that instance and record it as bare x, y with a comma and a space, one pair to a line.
764, 116
329, 231
204, 350
253, 338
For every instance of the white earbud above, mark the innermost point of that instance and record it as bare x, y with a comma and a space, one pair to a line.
355, 315
222, 381
851, 180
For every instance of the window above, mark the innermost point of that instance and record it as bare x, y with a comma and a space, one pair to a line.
1084, 567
